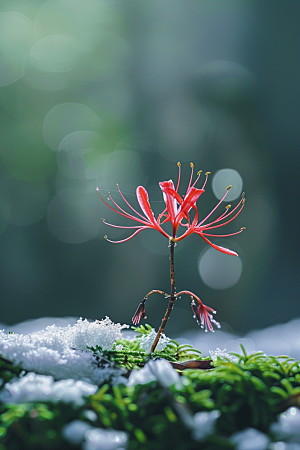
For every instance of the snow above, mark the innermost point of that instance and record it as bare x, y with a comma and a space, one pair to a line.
62, 368
146, 341
279, 339
204, 424
41, 388
287, 426
159, 370
63, 351
250, 439
99, 439
218, 353
79, 432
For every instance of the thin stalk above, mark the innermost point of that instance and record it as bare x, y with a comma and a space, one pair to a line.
172, 298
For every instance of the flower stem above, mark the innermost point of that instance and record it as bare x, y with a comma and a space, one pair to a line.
172, 298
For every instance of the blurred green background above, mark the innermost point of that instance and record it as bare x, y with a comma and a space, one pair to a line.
98, 92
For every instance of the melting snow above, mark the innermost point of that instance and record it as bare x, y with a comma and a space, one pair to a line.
63, 351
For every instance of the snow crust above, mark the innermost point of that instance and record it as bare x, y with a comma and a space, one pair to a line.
146, 341
79, 432
39, 388
63, 351
159, 370
288, 425
250, 439
218, 353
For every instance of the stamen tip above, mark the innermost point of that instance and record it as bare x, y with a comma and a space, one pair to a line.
192, 165
243, 228
178, 164
103, 220
229, 187
207, 173
243, 201
105, 237
228, 206
200, 171
97, 189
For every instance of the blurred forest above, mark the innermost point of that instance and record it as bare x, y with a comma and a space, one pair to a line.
94, 93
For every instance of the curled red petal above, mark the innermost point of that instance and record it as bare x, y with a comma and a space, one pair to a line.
217, 247
143, 199
171, 198
191, 198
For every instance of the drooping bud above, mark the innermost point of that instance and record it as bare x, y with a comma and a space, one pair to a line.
139, 314
196, 312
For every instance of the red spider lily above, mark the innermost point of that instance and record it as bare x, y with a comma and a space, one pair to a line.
177, 212
203, 316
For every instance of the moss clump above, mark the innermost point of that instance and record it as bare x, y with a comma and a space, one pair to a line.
249, 392
132, 354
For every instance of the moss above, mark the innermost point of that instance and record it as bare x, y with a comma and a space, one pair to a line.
249, 392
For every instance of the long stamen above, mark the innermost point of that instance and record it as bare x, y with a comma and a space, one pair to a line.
205, 181
191, 177
127, 203
127, 239
161, 215
223, 215
218, 204
228, 221
179, 173
225, 235
226, 214
120, 226
198, 176
129, 216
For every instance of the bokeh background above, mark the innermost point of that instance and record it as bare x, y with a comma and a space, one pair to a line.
94, 93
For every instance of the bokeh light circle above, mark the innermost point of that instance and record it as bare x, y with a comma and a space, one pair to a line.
55, 53
124, 168
77, 152
16, 33
74, 216
218, 270
45, 81
66, 118
224, 178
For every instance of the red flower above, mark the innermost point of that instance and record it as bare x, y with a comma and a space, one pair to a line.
203, 316
177, 212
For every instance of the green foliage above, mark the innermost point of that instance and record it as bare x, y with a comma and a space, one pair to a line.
249, 392
133, 355
7, 371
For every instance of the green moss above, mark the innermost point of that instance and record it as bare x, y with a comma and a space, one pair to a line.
249, 392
